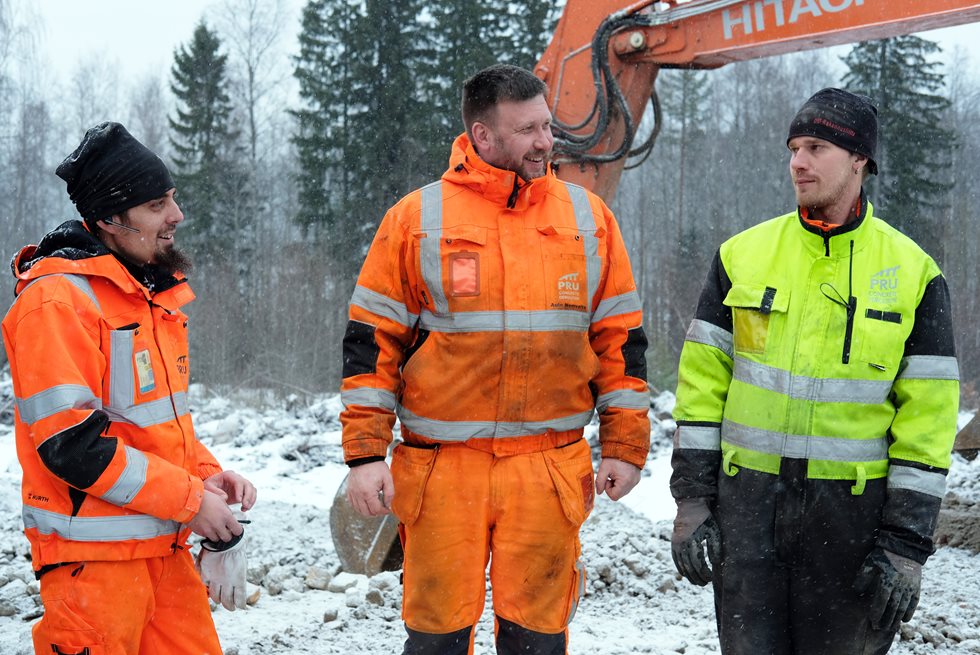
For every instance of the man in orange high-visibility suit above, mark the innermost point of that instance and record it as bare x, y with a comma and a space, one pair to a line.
114, 480
494, 315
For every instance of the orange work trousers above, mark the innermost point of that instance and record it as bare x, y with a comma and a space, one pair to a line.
154, 606
462, 508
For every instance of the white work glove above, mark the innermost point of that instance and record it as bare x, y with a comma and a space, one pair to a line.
222, 566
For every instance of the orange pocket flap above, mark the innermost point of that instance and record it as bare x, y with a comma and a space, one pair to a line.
410, 469
571, 472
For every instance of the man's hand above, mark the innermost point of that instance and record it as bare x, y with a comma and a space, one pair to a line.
616, 477
222, 568
895, 582
214, 519
370, 488
693, 526
233, 487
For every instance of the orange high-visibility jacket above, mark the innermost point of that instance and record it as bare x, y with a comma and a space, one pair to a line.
100, 370
499, 313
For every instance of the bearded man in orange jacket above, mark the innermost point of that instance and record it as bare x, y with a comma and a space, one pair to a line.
494, 315
114, 478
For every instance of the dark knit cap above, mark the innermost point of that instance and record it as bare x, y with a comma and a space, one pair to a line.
110, 172
841, 117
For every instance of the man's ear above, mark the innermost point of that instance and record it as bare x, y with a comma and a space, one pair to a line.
481, 135
110, 224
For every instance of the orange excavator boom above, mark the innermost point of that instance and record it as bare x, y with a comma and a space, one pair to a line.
602, 62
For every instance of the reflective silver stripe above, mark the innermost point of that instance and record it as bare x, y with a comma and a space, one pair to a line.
369, 397
929, 367
623, 398
927, 482
711, 335
145, 414
121, 392
463, 430
834, 449
56, 399
382, 305
430, 256
617, 305
83, 285
801, 387
580, 568
586, 223
98, 528
80, 281
698, 437
181, 404
514, 321
132, 479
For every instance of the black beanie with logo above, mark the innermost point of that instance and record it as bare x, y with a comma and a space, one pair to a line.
110, 172
845, 119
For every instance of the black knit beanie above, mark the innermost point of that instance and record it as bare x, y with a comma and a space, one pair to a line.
110, 172
841, 117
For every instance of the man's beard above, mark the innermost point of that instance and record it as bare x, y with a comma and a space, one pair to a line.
173, 260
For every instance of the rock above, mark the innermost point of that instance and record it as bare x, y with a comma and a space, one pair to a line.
317, 578
667, 585
344, 581
354, 597
253, 598
375, 597
331, 614
384, 581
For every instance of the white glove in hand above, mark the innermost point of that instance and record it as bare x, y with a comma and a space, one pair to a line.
223, 572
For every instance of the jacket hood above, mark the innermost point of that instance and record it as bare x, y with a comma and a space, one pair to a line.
71, 248
70, 241
497, 185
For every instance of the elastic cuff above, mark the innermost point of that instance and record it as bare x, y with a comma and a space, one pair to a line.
361, 461
192, 504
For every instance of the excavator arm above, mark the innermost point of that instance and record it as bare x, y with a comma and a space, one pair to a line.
602, 62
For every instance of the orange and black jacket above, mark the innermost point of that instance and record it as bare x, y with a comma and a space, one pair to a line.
496, 312
100, 371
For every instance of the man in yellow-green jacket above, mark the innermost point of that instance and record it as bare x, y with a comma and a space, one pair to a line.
816, 410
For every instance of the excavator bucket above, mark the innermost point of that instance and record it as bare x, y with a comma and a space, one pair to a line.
968, 440
365, 544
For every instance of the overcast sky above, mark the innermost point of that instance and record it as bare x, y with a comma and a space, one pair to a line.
141, 35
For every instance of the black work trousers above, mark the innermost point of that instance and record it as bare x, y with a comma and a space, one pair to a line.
791, 549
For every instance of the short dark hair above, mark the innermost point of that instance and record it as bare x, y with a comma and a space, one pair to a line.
495, 84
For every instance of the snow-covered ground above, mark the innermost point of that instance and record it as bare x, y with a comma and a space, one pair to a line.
634, 603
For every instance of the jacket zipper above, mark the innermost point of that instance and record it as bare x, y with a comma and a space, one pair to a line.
851, 308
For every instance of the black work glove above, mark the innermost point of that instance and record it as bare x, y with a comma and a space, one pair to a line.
895, 582
694, 526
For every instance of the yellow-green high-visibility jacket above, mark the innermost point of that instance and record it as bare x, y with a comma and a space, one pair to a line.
831, 347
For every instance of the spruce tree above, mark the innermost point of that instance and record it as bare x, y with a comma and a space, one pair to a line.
914, 146
207, 173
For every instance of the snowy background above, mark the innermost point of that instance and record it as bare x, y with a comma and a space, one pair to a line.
303, 603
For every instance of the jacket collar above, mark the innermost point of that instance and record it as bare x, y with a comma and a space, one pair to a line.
499, 186
70, 249
835, 242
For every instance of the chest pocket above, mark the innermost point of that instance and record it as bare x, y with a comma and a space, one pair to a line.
453, 266
753, 306
882, 336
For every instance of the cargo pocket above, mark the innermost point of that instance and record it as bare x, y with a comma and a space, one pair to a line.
62, 630
410, 469
571, 473
752, 307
